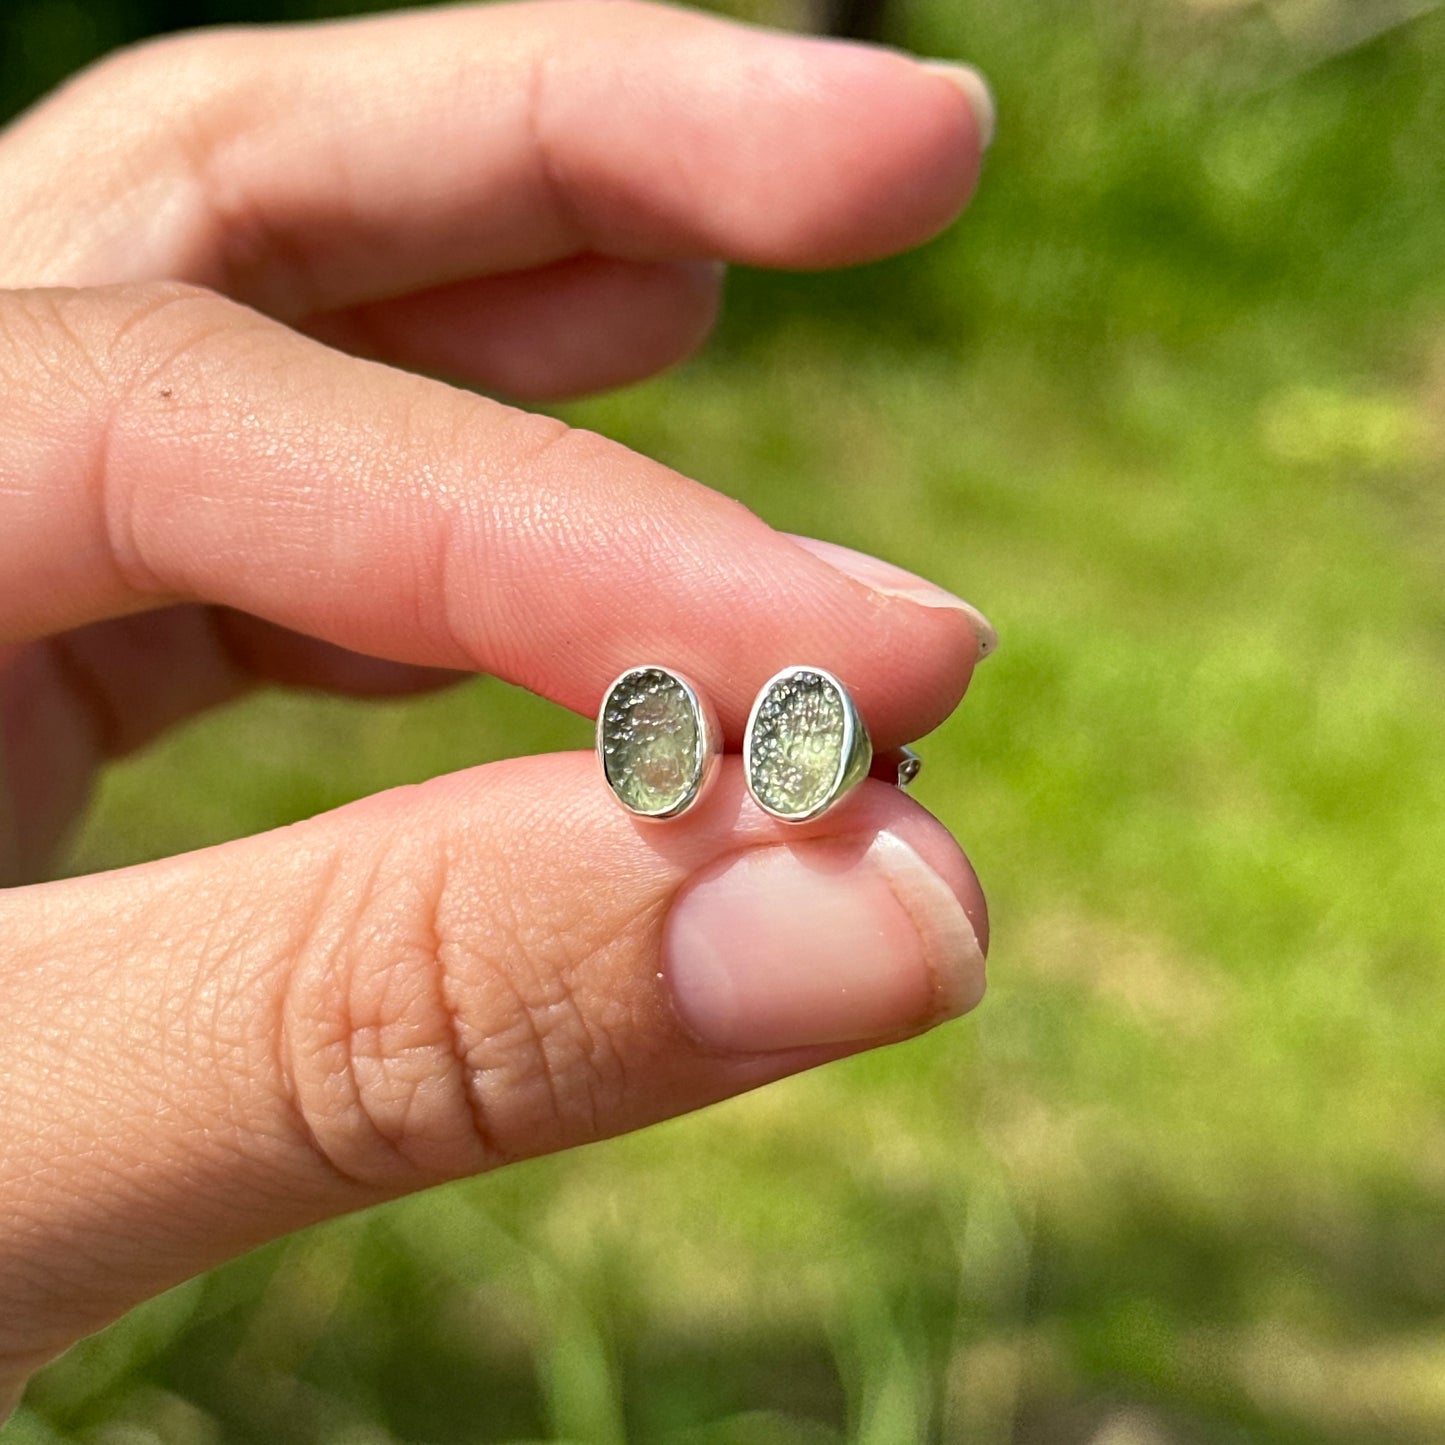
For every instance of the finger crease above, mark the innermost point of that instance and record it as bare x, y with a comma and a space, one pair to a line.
559, 194
117, 512
285, 1052
451, 1006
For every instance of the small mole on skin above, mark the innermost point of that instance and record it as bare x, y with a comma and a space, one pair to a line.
165, 391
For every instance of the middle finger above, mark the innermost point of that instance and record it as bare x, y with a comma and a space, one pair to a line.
305, 169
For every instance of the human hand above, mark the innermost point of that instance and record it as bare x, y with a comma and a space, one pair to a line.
199, 489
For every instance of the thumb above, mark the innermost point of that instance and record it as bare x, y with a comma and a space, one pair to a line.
207, 1052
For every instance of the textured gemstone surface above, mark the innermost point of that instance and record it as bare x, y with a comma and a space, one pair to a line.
650, 741
795, 747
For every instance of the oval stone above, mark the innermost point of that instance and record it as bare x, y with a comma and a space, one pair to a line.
650, 738
797, 743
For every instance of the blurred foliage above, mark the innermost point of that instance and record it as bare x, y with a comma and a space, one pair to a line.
1168, 405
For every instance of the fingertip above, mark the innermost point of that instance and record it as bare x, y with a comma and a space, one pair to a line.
932, 841
976, 90
865, 928
774, 150
873, 156
907, 688
894, 581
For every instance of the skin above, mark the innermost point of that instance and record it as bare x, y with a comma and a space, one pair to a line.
213, 473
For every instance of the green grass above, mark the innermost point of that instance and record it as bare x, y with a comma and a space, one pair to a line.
1168, 406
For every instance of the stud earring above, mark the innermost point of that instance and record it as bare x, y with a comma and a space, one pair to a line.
658, 742
805, 745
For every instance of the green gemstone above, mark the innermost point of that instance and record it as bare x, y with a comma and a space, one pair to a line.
650, 741
797, 743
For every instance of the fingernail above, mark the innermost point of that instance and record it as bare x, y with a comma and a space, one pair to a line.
976, 88
822, 942
895, 582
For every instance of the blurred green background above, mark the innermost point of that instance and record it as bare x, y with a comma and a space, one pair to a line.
1169, 404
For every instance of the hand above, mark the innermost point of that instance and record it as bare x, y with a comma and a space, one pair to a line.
200, 489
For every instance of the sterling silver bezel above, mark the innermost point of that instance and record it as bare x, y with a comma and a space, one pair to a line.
855, 756
706, 752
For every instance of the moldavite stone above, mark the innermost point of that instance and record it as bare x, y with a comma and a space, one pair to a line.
796, 745
650, 741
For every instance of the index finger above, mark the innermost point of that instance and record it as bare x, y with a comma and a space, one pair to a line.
163, 444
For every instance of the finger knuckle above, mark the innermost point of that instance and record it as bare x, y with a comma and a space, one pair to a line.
190, 101
425, 1035
83, 368
368, 1033
139, 355
551, 1065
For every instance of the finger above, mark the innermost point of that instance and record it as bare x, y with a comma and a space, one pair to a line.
574, 327
308, 169
167, 446
265, 653
422, 985
76, 700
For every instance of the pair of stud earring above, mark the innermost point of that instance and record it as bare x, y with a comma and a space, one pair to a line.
805, 748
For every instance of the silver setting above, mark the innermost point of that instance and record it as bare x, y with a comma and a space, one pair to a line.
897, 767
806, 746
658, 741
909, 766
